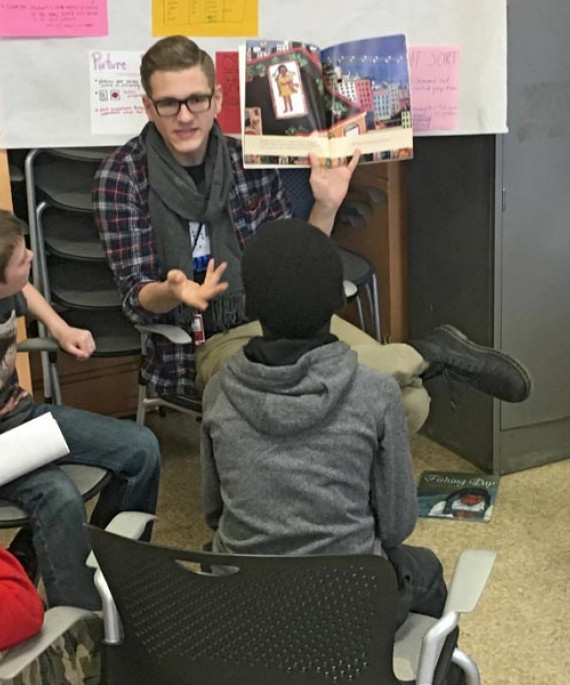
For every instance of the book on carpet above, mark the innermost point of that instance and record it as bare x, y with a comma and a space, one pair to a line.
297, 98
468, 496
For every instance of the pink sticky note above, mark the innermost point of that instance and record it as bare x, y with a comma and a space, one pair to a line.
434, 78
56, 18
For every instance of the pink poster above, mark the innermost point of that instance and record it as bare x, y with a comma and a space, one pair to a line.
227, 73
434, 79
55, 18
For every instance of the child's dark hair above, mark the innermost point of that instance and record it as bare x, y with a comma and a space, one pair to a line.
10, 234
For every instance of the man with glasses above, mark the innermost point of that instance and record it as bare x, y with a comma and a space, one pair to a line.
175, 207
175, 196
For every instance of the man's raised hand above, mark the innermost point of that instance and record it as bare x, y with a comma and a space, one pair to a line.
195, 294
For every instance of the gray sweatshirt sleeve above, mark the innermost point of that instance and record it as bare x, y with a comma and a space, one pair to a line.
394, 496
211, 495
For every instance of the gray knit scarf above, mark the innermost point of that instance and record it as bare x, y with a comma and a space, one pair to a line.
174, 201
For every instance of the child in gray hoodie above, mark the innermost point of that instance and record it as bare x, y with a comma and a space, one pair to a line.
304, 450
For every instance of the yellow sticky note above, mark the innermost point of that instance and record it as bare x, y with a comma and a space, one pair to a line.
205, 17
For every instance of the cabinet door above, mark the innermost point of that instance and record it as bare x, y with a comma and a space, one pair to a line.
534, 246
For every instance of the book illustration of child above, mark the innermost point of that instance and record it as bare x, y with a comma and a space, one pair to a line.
253, 123
286, 86
471, 503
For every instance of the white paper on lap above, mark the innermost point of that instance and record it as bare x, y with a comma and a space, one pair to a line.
29, 446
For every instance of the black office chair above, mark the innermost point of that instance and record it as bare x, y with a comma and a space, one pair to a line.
70, 268
356, 269
264, 619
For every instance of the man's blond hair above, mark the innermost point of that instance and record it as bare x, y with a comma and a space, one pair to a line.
175, 53
10, 234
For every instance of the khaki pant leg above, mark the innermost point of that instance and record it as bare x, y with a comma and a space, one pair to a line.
416, 403
213, 353
398, 360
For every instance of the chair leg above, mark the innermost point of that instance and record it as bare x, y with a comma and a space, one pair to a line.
141, 406
54, 380
468, 666
361, 322
376, 309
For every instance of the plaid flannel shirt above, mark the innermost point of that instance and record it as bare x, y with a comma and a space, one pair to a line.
120, 202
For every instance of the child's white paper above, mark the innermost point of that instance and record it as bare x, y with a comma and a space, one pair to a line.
29, 446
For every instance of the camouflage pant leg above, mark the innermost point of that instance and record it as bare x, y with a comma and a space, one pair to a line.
72, 659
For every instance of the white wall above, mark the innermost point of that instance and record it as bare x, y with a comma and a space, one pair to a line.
44, 83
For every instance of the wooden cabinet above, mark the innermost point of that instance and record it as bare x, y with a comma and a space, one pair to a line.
383, 240
103, 385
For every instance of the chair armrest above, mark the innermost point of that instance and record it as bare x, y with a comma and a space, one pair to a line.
56, 622
38, 345
471, 573
350, 290
176, 335
470, 576
129, 524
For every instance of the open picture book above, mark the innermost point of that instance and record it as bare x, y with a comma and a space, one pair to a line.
297, 99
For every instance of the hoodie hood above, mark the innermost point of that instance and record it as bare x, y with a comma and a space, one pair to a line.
283, 400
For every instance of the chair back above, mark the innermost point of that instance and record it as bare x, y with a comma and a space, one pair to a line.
280, 620
298, 188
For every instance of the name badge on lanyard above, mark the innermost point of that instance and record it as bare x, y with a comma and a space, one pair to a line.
200, 242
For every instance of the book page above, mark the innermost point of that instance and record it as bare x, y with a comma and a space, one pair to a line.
367, 95
283, 105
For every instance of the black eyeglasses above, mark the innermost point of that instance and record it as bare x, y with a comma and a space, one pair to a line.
196, 104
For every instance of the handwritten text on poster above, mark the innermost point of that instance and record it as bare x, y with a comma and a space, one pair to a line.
55, 18
115, 88
434, 76
227, 74
205, 17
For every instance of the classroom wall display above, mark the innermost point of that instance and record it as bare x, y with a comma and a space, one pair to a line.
45, 83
